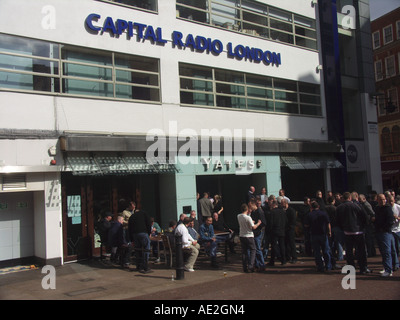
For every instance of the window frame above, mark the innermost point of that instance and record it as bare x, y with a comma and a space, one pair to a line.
293, 37
62, 78
392, 61
385, 41
115, 2
291, 97
376, 40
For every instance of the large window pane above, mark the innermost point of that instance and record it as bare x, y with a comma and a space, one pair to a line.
285, 85
197, 98
259, 93
229, 89
144, 4
260, 105
310, 110
195, 72
198, 85
231, 102
286, 107
229, 76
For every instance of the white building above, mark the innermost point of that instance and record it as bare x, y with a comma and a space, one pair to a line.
83, 82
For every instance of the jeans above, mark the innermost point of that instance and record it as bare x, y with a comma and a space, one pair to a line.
337, 249
385, 242
248, 253
396, 236
320, 246
259, 259
142, 250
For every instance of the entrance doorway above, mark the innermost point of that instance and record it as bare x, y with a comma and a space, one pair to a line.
233, 190
85, 201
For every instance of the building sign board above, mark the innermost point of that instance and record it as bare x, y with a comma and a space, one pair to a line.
196, 43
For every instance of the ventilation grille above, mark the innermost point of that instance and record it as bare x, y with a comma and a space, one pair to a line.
14, 181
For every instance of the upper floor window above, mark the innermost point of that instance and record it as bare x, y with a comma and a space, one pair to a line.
376, 41
398, 29
252, 18
387, 34
33, 65
204, 86
390, 67
378, 70
150, 5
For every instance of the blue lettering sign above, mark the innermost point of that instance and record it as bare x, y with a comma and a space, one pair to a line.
253, 54
195, 43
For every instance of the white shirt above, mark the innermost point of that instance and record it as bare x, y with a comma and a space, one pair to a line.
396, 213
181, 230
245, 226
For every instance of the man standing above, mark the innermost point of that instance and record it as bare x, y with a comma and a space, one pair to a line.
278, 228
139, 227
353, 220
188, 243
290, 239
320, 229
246, 226
206, 206
257, 213
383, 228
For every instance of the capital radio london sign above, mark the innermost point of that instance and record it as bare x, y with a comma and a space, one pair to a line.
142, 32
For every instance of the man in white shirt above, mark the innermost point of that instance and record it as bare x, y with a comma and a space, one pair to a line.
246, 235
188, 243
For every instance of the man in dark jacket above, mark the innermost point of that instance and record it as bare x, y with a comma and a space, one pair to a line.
278, 227
353, 220
383, 227
139, 226
119, 246
290, 239
320, 229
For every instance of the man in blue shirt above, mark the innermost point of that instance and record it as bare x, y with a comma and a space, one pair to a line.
320, 228
208, 240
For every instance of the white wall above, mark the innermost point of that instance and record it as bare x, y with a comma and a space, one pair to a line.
61, 113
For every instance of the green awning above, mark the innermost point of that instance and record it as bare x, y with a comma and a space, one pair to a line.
112, 164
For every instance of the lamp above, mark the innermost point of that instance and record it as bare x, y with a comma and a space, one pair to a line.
390, 107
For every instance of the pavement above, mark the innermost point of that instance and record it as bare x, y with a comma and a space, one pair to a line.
101, 280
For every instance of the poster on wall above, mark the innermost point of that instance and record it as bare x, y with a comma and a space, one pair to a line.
74, 209
355, 156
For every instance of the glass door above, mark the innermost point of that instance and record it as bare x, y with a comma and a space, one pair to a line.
75, 242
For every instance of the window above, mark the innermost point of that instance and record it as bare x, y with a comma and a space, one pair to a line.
386, 141
40, 66
203, 86
387, 34
396, 139
381, 105
390, 67
398, 29
378, 70
392, 96
376, 41
150, 5
252, 18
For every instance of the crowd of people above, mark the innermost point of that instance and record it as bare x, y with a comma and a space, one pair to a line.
338, 227
341, 225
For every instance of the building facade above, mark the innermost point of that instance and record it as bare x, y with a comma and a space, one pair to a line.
156, 101
386, 44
